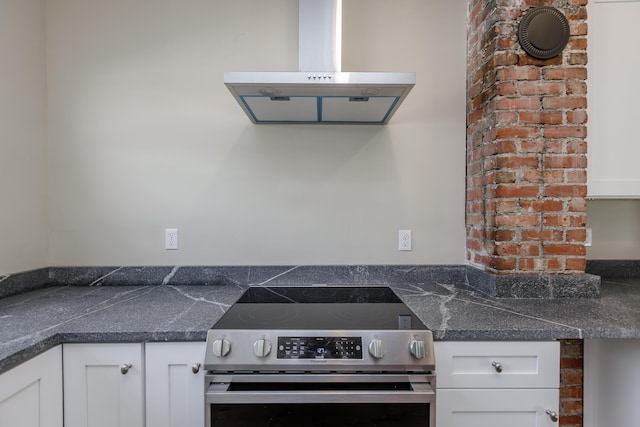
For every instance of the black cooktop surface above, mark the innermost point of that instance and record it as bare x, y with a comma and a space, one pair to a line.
319, 308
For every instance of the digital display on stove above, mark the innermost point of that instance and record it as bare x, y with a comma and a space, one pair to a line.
319, 348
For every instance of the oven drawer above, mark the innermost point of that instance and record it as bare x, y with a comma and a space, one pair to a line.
328, 389
497, 364
318, 400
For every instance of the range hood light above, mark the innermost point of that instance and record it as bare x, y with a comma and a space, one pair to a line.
268, 91
370, 92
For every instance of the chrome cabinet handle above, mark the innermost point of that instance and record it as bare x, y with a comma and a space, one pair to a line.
497, 366
553, 415
125, 368
195, 368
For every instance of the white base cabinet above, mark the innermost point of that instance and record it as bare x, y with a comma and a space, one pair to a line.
103, 385
133, 385
175, 384
31, 393
495, 408
497, 384
611, 382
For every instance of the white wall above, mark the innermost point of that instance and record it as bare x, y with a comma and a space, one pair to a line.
143, 135
615, 226
23, 151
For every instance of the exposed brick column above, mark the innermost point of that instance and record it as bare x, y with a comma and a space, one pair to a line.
571, 382
526, 144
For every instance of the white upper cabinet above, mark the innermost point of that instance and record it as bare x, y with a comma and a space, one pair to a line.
613, 94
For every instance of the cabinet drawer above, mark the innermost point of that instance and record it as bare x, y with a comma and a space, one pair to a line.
497, 364
497, 408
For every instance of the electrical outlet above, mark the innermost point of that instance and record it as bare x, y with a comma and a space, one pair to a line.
171, 238
587, 242
404, 240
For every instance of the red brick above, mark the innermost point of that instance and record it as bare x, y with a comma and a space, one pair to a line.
577, 176
518, 132
564, 249
571, 392
520, 103
545, 234
577, 116
558, 102
518, 73
579, 235
540, 88
514, 162
518, 220
514, 191
571, 363
571, 348
506, 88
565, 161
570, 421
565, 132
503, 235
565, 191
541, 117
565, 73
542, 205
560, 220
571, 377
576, 264
571, 407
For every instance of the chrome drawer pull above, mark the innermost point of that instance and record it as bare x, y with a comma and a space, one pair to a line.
497, 366
125, 368
195, 368
553, 415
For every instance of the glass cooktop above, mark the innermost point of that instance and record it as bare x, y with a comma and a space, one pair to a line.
319, 308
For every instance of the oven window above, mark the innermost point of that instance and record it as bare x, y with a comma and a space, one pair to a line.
320, 415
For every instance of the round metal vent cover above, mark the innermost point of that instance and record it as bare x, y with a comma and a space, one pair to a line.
543, 32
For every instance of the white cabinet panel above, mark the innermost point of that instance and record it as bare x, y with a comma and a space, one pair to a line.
497, 384
97, 392
613, 91
175, 394
31, 393
522, 364
496, 408
611, 382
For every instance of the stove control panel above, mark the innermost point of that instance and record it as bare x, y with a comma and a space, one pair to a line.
319, 348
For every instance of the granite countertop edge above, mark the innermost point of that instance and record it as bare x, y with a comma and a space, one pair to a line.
32, 322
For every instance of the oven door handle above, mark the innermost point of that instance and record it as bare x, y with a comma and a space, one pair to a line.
420, 393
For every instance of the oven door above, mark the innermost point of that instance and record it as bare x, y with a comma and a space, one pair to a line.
285, 400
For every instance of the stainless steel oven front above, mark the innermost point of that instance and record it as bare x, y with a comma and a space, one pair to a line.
310, 400
319, 356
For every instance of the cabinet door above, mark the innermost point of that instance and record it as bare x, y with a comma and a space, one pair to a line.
175, 393
613, 92
496, 408
31, 394
98, 390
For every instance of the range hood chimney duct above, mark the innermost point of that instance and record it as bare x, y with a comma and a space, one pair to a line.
319, 92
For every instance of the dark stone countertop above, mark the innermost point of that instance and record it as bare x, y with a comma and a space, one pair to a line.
36, 320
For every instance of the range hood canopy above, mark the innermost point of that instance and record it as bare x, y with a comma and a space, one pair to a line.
319, 92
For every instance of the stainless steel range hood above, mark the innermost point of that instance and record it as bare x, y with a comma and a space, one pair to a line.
319, 92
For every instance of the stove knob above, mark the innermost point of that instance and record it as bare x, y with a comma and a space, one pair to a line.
377, 348
418, 349
262, 347
221, 347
